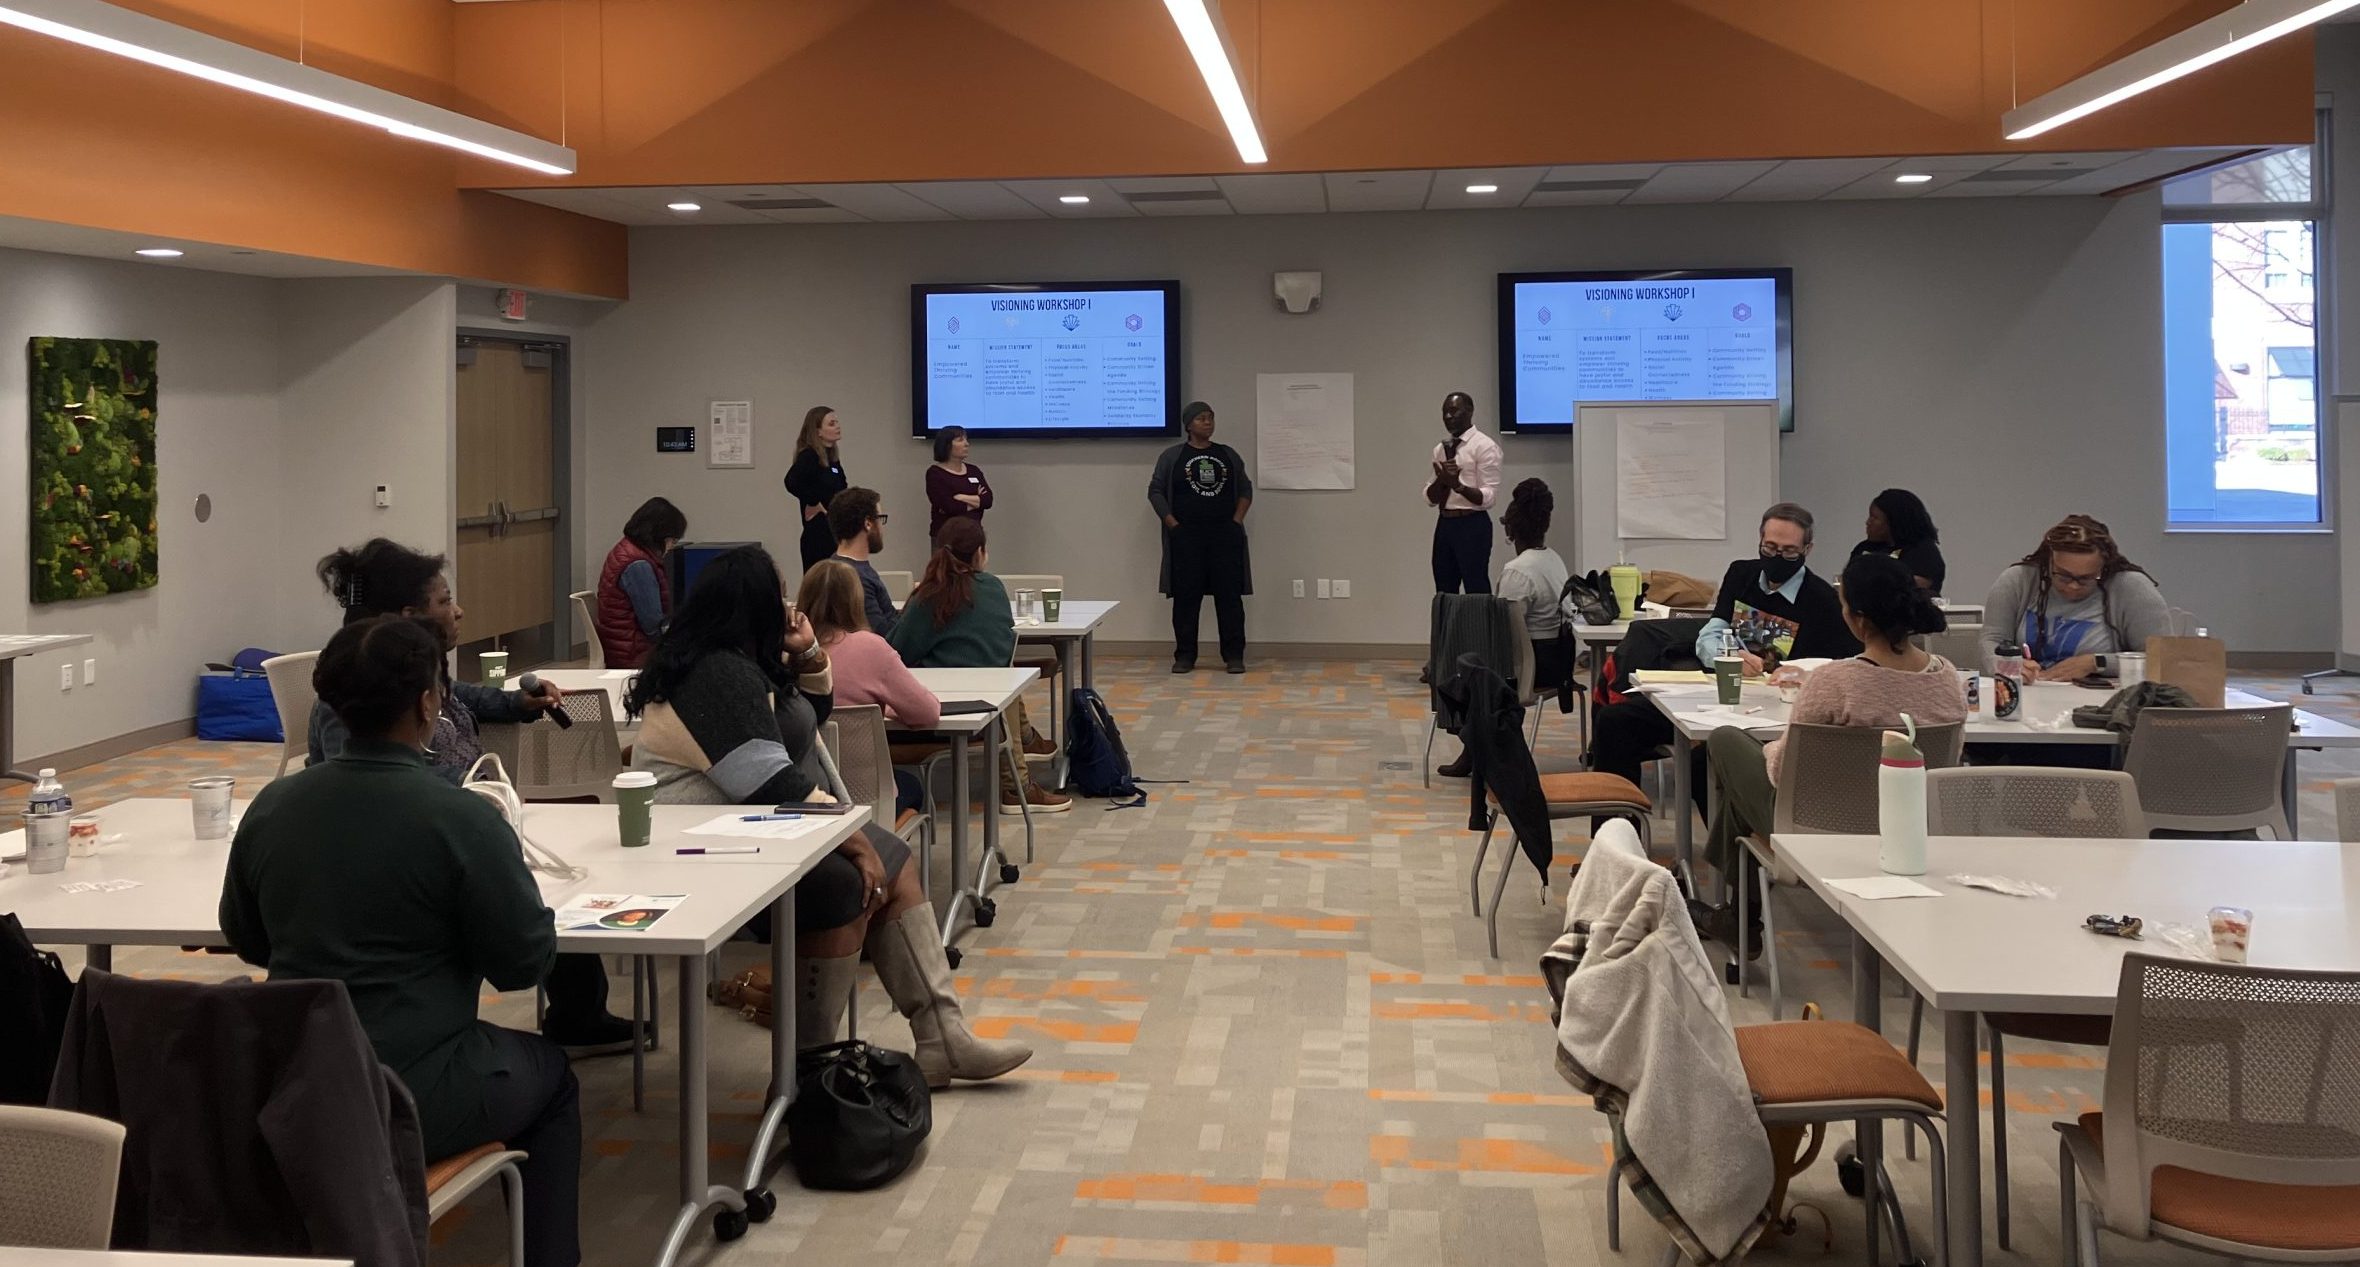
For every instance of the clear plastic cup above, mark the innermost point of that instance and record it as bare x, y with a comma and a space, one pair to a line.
209, 800
2232, 932
1025, 600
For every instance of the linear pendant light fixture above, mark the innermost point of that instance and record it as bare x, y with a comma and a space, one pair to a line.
110, 28
1208, 42
2214, 40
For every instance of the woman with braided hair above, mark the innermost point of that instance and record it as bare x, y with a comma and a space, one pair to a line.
2074, 604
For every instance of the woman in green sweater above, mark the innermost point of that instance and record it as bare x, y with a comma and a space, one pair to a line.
958, 618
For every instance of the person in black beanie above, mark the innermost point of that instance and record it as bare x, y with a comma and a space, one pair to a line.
1201, 492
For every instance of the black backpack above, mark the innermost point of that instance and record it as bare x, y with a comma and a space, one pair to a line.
34, 996
1096, 762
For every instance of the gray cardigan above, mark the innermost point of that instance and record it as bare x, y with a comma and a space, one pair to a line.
456, 740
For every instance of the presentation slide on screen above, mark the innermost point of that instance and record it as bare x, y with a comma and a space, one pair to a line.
1701, 339
1084, 358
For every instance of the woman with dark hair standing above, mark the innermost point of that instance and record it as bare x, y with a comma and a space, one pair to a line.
383, 578
634, 595
370, 870
731, 702
958, 618
815, 477
1900, 528
1885, 609
1200, 492
955, 487
2073, 603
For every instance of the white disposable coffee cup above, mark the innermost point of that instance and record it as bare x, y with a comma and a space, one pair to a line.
209, 806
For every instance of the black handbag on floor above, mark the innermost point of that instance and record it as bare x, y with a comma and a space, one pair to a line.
859, 1114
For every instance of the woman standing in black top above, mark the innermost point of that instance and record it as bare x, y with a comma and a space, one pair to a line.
816, 476
1900, 528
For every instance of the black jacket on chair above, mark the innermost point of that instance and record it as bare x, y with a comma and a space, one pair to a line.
1498, 759
259, 1120
1462, 624
1653, 644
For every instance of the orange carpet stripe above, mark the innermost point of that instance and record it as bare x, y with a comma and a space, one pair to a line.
1285, 855
1062, 1031
1082, 1076
1262, 1253
1420, 978
1292, 923
1273, 952
1190, 1190
1474, 1156
1007, 988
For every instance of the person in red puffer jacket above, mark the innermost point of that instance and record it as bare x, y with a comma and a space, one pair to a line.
634, 594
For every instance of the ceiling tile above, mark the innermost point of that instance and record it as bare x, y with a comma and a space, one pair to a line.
1104, 202
1377, 191
1948, 163
2081, 162
1804, 178
1163, 184
1449, 192
973, 199
1576, 197
876, 202
1698, 182
1881, 185
2137, 169
1605, 171
1275, 193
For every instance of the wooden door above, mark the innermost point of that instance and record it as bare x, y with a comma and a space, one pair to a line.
508, 511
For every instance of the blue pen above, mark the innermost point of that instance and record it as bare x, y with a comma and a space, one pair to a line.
767, 818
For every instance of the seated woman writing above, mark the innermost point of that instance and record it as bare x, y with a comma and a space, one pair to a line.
1885, 608
2074, 603
730, 703
370, 869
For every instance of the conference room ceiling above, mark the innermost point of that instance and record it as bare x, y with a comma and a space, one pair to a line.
1308, 193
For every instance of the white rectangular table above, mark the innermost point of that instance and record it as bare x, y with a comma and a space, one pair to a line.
15, 647
1969, 951
2045, 705
11, 1256
179, 896
998, 688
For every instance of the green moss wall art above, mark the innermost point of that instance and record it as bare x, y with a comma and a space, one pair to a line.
94, 467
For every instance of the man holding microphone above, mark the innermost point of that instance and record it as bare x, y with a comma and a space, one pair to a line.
1466, 478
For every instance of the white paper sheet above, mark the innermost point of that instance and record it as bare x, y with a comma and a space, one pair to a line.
1877, 888
616, 912
734, 825
732, 441
1709, 718
1669, 478
1303, 431
618, 675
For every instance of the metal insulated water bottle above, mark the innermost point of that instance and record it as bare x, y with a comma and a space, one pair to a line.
2007, 681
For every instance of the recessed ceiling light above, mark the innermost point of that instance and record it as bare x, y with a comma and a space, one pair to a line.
1911, 178
1483, 189
159, 252
684, 206
1073, 200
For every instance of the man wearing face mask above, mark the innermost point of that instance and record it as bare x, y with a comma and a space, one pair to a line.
1771, 607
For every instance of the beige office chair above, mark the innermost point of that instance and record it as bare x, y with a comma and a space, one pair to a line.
576, 764
582, 607
857, 739
2026, 801
2227, 1124
1827, 782
59, 1172
898, 584
291, 691
454, 1179
2211, 769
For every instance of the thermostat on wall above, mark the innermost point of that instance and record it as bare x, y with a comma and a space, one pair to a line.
676, 439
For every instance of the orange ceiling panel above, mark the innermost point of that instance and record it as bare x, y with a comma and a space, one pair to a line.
691, 92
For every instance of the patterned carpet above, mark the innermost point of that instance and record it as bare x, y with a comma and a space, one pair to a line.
1268, 1028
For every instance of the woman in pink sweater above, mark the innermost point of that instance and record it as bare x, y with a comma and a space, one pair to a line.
1892, 675
864, 667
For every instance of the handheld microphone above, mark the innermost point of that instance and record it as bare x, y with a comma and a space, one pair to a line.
530, 684
1450, 449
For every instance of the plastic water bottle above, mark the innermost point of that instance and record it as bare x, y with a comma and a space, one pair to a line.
1901, 803
49, 796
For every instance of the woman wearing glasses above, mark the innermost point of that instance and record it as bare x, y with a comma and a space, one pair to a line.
2073, 603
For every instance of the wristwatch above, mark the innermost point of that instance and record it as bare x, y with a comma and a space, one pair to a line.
2101, 659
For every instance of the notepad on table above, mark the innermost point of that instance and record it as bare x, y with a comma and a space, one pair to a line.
1876, 888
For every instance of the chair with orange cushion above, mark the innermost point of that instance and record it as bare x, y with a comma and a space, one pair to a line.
454, 1179
2230, 1121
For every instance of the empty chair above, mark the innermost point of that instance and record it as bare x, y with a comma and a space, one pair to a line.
1827, 782
582, 600
59, 1172
2228, 1118
290, 689
2026, 801
2211, 769
569, 764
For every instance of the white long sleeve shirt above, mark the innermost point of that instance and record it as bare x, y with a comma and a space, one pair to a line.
1479, 469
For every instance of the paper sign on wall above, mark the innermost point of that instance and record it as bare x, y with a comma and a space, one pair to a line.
1303, 430
733, 434
1670, 481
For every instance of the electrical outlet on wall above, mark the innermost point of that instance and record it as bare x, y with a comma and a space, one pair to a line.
1324, 587
1298, 587
90, 673
1343, 588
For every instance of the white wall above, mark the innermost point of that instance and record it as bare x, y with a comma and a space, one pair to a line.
2002, 357
217, 433
369, 397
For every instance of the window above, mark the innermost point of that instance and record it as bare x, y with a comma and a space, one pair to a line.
2240, 316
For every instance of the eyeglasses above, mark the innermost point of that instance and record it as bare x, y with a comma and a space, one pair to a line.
2058, 576
1770, 551
881, 518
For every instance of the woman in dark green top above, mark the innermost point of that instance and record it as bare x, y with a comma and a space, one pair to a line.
370, 870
